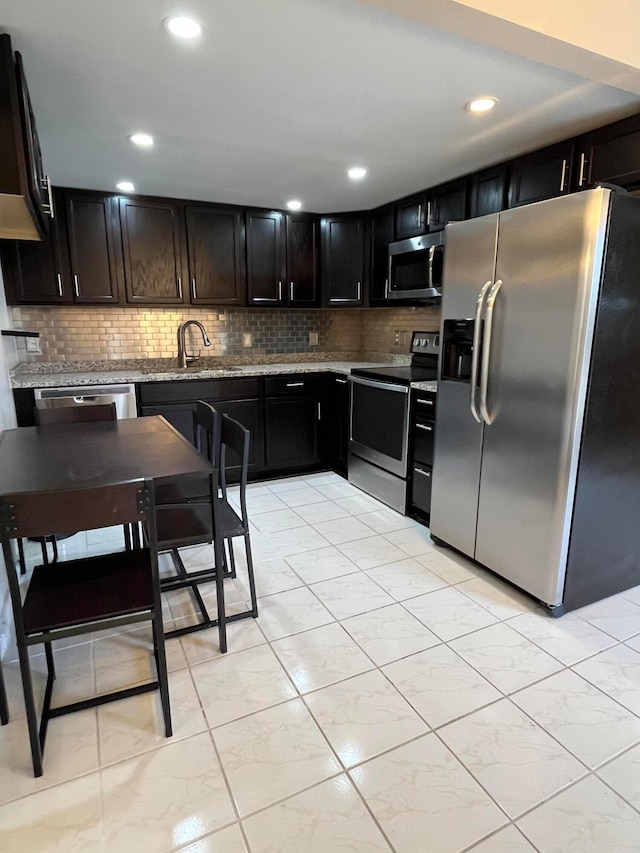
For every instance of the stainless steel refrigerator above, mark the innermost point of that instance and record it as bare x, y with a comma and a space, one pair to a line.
537, 453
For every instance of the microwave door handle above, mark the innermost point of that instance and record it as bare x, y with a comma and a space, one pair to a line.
486, 353
432, 254
476, 351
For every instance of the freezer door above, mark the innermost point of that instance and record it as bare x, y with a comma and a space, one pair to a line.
549, 260
469, 263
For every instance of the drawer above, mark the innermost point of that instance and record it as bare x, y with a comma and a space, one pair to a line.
421, 488
198, 389
423, 435
294, 384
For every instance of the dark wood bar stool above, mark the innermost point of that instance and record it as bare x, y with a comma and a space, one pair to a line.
4, 705
85, 595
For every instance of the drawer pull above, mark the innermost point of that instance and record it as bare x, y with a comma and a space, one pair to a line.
424, 473
295, 384
424, 427
341, 381
425, 402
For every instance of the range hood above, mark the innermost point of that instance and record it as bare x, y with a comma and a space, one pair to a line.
25, 192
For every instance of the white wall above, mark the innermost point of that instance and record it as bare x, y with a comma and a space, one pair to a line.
8, 358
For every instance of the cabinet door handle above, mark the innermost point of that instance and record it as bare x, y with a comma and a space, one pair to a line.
424, 402
59, 277
424, 427
564, 173
341, 381
419, 216
295, 384
48, 208
428, 214
319, 411
76, 286
291, 291
179, 287
341, 299
583, 163
424, 473
386, 288
279, 291
194, 294
359, 296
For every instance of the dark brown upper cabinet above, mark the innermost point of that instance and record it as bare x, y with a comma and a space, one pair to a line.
37, 273
611, 154
487, 191
446, 204
93, 251
152, 249
282, 259
542, 174
302, 261
342, 239
25, 192
382, 234
411, 216
215, 239
265, 258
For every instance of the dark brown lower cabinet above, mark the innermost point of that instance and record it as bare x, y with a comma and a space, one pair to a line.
293, 413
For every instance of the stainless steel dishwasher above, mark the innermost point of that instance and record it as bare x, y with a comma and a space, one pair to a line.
124, 396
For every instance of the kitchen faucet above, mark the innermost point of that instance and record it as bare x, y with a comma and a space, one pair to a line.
183, 359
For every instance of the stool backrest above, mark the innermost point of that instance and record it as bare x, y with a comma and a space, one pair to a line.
206, 430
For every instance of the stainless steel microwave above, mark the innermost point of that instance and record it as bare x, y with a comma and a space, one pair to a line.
415, 267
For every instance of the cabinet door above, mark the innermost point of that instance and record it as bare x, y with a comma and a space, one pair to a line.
334, 423
215, 239
611, 155
151, 242
291, 431
92, 251
302, 261
541, 175
446, 204
411, 219
179, 415
381, 236
487, 191
342, 260
249, 414
265, 258
37, 273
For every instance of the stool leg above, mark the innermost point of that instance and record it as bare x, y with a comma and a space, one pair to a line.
21, 557
161, 666
252, 581
4, 705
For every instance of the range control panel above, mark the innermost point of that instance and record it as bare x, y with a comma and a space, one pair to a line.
425, 343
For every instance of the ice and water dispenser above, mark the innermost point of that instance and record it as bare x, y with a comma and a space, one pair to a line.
457, 349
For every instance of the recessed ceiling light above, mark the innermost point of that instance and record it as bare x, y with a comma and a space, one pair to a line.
144, 140
294, 204
183, 28
357, 173
125, 186
482, 105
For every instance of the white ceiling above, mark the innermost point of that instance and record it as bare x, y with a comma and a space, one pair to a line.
279, 97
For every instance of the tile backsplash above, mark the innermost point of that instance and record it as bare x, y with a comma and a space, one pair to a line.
81, 333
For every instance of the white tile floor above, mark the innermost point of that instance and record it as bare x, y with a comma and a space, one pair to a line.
390, 697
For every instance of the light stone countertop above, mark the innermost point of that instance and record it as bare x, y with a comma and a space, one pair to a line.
425, 386
69, 378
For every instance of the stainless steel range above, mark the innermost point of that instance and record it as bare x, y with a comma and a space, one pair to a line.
379, 425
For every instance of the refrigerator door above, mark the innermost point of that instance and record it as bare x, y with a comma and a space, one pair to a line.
549, 261
469, 264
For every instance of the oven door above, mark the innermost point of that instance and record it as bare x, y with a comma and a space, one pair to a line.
379, 425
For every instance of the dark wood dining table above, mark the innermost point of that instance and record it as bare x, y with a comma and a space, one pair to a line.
94, 455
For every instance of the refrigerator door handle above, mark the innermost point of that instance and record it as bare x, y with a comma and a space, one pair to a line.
486, 353
475, 351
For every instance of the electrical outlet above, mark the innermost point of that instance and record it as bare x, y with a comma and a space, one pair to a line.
33, 345
247, 339
397, 337
313, 339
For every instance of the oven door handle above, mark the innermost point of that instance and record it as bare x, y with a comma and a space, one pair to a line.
383, 386
475, 354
